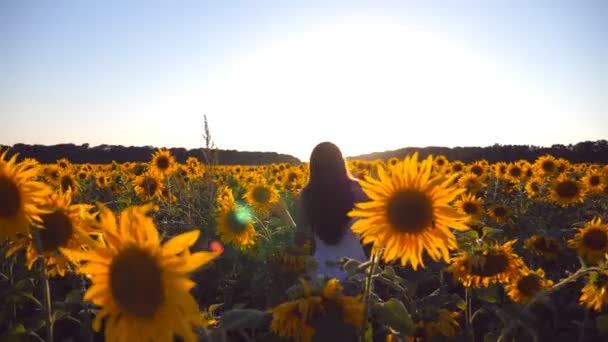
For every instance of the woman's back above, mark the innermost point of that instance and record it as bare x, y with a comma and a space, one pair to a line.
323, 209
327, 255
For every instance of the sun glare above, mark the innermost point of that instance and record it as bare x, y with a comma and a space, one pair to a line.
368, 85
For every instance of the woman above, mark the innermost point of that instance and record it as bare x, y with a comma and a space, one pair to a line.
322, 211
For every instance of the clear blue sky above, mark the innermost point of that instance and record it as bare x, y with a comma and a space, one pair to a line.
284, 75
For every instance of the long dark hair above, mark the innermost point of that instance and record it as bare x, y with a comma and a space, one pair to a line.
328, 195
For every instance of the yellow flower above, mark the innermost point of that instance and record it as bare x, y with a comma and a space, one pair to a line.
492, 264
261, 196
566, 191
163, 162
443, 324
141, 286
593, 181
594, 294
295, 318
471, 206
591, 241
235, 224
471, 182
20, 197
60, 231
499, 213
546, 166
148, 185
527, 286
543, 246
409, 213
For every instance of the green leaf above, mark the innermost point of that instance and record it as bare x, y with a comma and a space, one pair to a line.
394, 314
389, 272
351, 266
491, 294
245, 319
489, 233
466, 237
601, 323
18, 329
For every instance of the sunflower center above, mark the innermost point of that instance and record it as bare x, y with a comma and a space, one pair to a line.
594, 180
492, 265
162, 163
529, 285
150, 185
566, 189
57, 231
410, 211
237, 220
66, 182
515, 172
470, 208
548, 166
477, 170
261, 194
10, 199
457, 167
595, 239
136, 282
500, 212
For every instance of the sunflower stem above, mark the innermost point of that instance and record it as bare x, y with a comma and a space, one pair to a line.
467, 299
573, 277
44, 277
367, 291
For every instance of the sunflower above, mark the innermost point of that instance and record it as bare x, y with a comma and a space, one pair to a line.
500, 169
235, 224
486, 266
68, 182
409, 213
52, 173
499, 213
514, 173
479, 169
457, 166
141, 286
591, 241
546, 166
533, 187
60, 233
443, 324
102, 179
594, 294
83, 174
527, 286
163, 162
566, 191
262, 197
471, 206
593, 181
471, 182
148, 185
20, 197
544, 246
296, 318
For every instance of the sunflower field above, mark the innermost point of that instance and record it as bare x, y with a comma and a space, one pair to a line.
164, 251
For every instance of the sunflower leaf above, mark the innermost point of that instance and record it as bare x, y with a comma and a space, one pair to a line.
394, 314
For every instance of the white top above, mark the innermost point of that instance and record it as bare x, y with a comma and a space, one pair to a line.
349, 246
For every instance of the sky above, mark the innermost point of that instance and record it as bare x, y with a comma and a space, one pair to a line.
283, 76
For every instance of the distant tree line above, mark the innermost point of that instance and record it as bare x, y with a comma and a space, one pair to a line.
104, 154
587, 151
